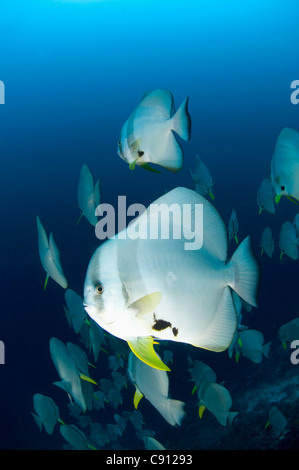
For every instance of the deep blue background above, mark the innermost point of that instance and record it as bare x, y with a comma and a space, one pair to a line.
73, 71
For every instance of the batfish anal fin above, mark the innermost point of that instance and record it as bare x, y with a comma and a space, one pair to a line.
146, 166
143, 348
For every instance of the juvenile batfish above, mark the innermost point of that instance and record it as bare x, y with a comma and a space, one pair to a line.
89, 195
50, 256
202, 178
288, 243
233, 227
139, 287
148, 135
265, 197
267, 242
154, 385
285, 165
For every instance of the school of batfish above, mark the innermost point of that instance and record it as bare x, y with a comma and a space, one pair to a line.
146, 291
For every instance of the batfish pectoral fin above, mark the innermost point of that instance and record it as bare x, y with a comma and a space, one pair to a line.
146, 166
267, 424
143, 348
134, 146
277, 198
194, 389
146, 304
137, 397
201, 410
211, 195
87, 379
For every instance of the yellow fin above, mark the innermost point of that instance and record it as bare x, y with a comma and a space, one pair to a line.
91, 447
104, 350
87, 379
143, 348
194, 389
132, 164
146, 166
292, 199
137, 397
284, 345
267, 424
147, 304
46, 281
201, 410
79, 218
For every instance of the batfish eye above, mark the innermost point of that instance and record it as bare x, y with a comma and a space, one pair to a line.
140, 153
119, 144
99, 289
282, 188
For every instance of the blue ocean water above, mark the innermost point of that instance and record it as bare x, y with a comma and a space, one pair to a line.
73, 71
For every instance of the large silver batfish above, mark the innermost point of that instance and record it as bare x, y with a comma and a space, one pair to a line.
139, 288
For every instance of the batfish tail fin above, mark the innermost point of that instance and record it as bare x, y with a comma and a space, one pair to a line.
266, 349
246, 272
181, 121
172, 410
